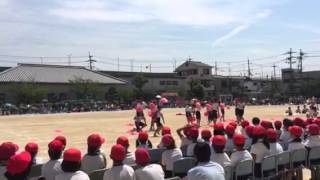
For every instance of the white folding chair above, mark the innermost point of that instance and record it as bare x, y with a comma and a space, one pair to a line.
298, 156
173, 178
35, 171
228, 172
183, 165
244, 168
268, 167
155, 155
314, 162
97, 174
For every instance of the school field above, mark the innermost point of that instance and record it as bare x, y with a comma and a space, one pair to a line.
77, 126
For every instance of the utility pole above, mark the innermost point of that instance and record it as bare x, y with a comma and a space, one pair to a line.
69, 59
274, 71
289, 59
118, 64
91, 61
249, 70
215, 68
300, 58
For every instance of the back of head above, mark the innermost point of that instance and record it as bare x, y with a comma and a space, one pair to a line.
255, 121
18, 166
55, 149
287, 123
202, 152
71, 160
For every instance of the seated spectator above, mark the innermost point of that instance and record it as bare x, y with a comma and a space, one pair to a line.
244, 124
218, 155
143, 141
194, 134
206, 169
296, 143
130, 159
275, 147
230, 130
53, 167
285, 137
240, 154
218, 129
62, 139
146, 170
7, 149
71, 165
33, 149
184, 135
313, 140
249, 131
289, 111
255, 121
18, 166
165, 130
119, 170
278, 125
94, 159
170, 155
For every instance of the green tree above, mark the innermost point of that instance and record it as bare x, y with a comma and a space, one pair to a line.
196, 90
126, 96
84, 88
112, 94
139, 81
27, 92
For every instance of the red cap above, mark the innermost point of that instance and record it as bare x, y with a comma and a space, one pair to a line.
298, 122
167, 140
295, 130
118, 152
249, 130
95, 140
317, 121
272, 134
32, 148
8, 149
313, 129
19, 163
309, 121
194, 132
234, 124
165, 130
206, 133
143, 136
265, 124
230, 129
239, 139
72, 155
245, 123
123, 141
258, 131
219, 127
55, 146
142, 156
278, 124
219, 140
62, 139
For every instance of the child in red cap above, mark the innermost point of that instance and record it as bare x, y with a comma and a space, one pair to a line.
143, 141
218, 129
218, 155
165, 130
71, 165
146, 170
194, 134
285, 134
313, 140
296, 142
275, 147
94, 159
248, 131
278, 126
184, 135
53, 167
230, 130
240, 154
206, 136
7, 149
33, 149
130, 159
139, 119
18, 166
62, 139
158, 118
244, 124
119, 170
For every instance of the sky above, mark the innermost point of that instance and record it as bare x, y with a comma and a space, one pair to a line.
163, 33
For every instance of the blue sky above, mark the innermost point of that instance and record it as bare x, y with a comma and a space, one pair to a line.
158, 31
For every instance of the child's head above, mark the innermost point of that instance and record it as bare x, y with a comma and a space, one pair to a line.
71, 160
168, 141
206, 134
32, 148
278, 125
94, 142
295, 132
272, 135
239, 141
143, 137
287, 123
230, 130
218, 143
118, 153
255, 121
123, 140
55, 149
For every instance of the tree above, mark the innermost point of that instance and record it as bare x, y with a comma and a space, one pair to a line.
112, 94
27, 92
139, 81
196, 89
84, 88
126, 96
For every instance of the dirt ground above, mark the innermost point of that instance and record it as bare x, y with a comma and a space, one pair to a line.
41, 129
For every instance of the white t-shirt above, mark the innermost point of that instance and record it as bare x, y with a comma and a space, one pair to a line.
91, 163
3, 169
260, 150
229, 145
248, 143
51, 169
78, 175
130, 159
150, 172
185, 141
206, 171
123, 172
170, 156
190, 149
312, 141
238, 156
295, 145
275, 148
284, 139
220, 158
215, 107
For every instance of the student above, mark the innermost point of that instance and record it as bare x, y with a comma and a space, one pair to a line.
313, 140
285, 134
240, 154
206, 136
298, 110
244, 124
188, 111
143, 141
71, 165
194, 134
184, 135
53, 167
218, 155
249, 131
296, 142
275, 147
7, 149
278, 125
62, 139
18, 166
239, 110
218, 129
159, 116
222, 106
230, 130
165, 130
206, 169
289, 111
130, 159
260, 148
215, 110
119, 170
146, 170
255, 121
33, 149
140, 121
94, 159
171, 154
198, 112
305, 109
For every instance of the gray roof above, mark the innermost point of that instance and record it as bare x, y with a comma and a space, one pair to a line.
189, 63
126, 74
40, 73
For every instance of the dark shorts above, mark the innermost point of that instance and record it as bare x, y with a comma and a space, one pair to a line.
222, 111
188, 114
239, 112
212, 115
198, 115
158, 122
140, 114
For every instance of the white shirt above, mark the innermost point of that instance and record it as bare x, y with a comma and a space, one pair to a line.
248, 143
260, 150
185, 141
150, 172
190, 149
206, 171
220, 158
91, 163
275, 148
284, 139
130, 159
51, 169
170, 156
3, 169
78, 175
295, 145
312, 141
123, 172
229, 146
238, 156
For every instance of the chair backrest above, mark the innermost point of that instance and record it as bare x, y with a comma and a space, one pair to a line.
183, 165
244, 168
35, 171
155, 155
314, 154
268, 164
283, 158
97, 174
228, 172
174, 178
299, 155
184, 150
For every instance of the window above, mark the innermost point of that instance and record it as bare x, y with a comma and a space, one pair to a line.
205, 71
168, 83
